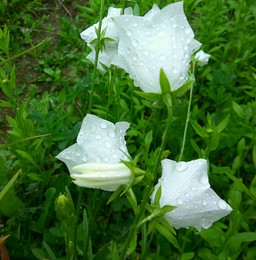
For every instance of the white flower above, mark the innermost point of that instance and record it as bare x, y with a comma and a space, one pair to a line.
106, 55
160, 39
202, 58
186, 185
94, 161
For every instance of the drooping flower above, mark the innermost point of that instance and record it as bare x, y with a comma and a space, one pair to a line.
186, 185
202, 58
109, 50
159, 39
94, 161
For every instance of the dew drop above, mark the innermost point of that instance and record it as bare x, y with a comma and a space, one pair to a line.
134, 58
114, 155
175, 71
162, 57
135, 25
222, 204
85, 157
203, 180
129, 33
134, 43
108, 144
161, 34
174, 25
187, 31
181, 166
98, 137
179, 201
111, 134
206, 223
78, 153
146, 52
103, 125
204, 202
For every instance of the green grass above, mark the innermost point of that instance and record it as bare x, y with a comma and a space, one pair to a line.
45, 94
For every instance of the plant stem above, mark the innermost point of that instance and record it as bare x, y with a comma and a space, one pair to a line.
97, 51
148, 188
186, 123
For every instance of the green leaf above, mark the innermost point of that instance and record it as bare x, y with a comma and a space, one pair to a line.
133, 244
222, 125
187, 256
168, 235
9, 185
154, 97
234, 243
164, 82
183, 89
201, 131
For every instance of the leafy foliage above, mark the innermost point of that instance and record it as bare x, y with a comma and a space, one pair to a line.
45, 84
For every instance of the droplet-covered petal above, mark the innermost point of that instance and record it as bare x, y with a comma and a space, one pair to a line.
160, 39
101, 145
186, 185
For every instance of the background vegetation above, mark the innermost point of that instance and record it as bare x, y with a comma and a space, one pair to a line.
45, 84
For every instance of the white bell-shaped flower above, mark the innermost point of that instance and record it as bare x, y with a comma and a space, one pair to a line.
186, 185
202, 58
94, 161
160, 39
107, 54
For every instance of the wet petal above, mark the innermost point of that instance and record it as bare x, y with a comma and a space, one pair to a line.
186, 185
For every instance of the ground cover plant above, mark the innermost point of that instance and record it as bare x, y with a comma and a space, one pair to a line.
52, 97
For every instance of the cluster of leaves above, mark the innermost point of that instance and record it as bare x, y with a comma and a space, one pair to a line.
44, 87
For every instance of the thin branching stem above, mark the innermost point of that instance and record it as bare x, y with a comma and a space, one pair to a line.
97, 51
187, 118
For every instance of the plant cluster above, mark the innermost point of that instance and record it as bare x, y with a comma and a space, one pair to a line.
112, 118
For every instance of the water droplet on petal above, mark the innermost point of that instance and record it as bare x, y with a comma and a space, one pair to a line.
174, 25
203, 180
187, 31
114, 155
162, 57
135, 25
134, 43
179, 201
78, 153
98, 137
222, 204
85, 157
206, 223
111, 134
108, 144
161, 34
204, 202
181, 166
103, 125
129, 33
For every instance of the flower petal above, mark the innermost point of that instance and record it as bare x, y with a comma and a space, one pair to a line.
104, 176
160, 39
186, 185
99, 141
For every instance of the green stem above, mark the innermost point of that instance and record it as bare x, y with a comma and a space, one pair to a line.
78, 207
188, 114
110, 89
186, 123
148, 189
97, 51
